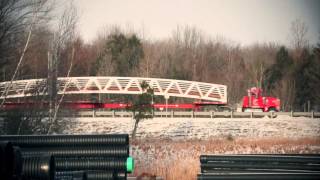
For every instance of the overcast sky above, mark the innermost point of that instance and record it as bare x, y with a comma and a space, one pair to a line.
243, 21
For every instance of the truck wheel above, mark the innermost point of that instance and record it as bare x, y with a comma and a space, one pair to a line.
270, 111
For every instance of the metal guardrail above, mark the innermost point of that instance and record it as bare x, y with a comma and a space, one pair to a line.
184, 114
191, 114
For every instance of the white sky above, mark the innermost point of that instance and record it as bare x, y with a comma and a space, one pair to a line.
243, 21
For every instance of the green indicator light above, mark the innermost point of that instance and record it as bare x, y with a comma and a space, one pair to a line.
130, 164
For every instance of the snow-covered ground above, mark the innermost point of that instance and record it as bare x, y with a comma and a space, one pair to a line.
170, 147
200, 128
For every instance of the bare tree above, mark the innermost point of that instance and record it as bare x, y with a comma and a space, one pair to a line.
186, 41
298, 34
64, 34
35, 7
17, 18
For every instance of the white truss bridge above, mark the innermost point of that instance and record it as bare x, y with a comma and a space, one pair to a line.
117, 85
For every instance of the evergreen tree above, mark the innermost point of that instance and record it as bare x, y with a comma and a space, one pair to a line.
313, 74
307, 77
142, 106
125, 52
278, 70
302, 79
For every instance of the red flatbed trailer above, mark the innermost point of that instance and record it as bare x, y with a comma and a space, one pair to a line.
91, 105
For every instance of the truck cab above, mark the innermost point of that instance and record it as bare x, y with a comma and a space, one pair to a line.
255, 101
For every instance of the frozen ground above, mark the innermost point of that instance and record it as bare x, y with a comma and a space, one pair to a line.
170, 147
200, 128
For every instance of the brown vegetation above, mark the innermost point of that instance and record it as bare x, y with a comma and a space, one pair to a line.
179, 159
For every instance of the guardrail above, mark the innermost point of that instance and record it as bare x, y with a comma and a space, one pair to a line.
190, 114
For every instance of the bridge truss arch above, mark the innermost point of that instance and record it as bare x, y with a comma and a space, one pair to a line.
117, 85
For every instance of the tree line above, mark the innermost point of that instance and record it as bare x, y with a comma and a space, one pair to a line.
290, 73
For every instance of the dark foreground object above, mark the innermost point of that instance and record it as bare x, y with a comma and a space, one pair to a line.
268, 166
65, 157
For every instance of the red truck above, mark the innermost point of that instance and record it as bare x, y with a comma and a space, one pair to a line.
254, 101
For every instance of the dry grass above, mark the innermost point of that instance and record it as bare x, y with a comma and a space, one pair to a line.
179, 159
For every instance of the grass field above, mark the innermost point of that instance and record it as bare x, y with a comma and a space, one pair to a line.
179, 159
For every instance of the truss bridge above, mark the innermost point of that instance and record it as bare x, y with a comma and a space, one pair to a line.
117, 85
